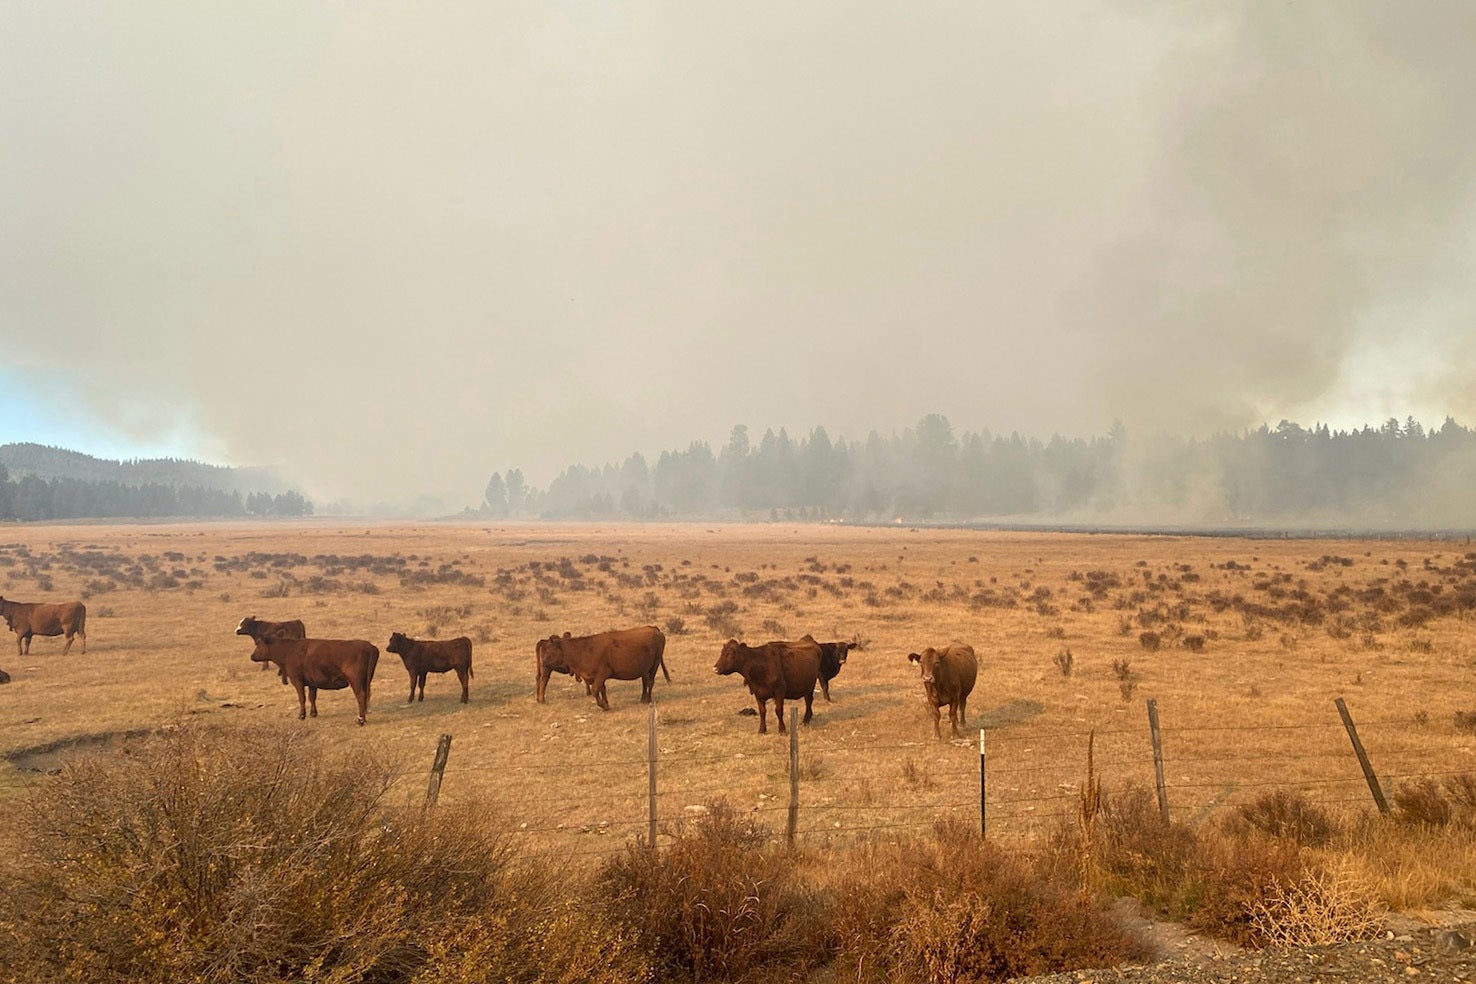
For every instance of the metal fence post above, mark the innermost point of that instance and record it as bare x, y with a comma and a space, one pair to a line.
983, 784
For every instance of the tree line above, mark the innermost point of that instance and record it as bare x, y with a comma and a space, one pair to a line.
1397, 475
33, 498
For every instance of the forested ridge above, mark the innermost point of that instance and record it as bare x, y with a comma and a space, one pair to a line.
1397, 475
54, 483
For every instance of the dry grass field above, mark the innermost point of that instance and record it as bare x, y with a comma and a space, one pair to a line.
1248, 643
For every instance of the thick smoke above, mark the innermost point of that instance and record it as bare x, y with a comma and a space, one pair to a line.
1308, 247
392, 251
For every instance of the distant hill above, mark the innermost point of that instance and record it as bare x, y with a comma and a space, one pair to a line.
47, 463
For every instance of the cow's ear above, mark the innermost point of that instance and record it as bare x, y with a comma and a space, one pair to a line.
913, 658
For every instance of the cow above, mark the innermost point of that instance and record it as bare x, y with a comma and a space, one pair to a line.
832, 658
311, 665
256, 628
432, 656
28, 619
947, 678
622, 654
778, 670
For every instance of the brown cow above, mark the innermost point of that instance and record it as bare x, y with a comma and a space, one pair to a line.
832, 658
28, 619
777, 670
623, 654
432, 656
947, 678
322, 664
257, 628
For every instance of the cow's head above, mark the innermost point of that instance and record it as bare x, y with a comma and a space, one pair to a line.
247, 626
841, 649
928, 661
396, 643
551, 658
728, 660
259, 653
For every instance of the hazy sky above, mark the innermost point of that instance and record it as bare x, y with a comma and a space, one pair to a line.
393, 248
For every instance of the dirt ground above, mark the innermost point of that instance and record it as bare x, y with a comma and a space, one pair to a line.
1432, 946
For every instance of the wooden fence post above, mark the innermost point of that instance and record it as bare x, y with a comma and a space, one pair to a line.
1368, 772
983, 781
651, 774
793, 826
438, 770
1163, 800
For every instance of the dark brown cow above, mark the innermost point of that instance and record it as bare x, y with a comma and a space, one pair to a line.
832, 658
947, 678
623, 654
311, 665
258, 628
778, 670
432, 656
28, 619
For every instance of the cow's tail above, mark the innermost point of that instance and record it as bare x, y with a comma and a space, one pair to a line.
661, 660
373, 661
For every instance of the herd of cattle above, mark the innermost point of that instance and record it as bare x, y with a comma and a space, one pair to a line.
777, 671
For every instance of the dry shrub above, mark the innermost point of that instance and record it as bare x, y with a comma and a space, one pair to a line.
718, 904
250, 855
1127, 849
1290, 816
1237, 874
1149, 640
1321, 909
1214, 880
1064, 662
1421, 802
955, 908
1465, 721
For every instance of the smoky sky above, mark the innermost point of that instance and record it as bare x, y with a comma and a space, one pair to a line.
391, 249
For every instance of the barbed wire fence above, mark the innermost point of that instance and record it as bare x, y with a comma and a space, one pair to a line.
829, 793
1013, 785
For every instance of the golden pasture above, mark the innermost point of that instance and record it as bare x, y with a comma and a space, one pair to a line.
1256, 639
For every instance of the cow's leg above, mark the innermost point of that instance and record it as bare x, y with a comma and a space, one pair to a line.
68, 647
313, 700
647, 682
937, 721
27, 638
542, 684
465, 690
420, 685
362, 695
18, 651
598, 684
963, 707
809, 708
825, 689
411, 698
301, 700
83, 633
763, 716
779, 711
